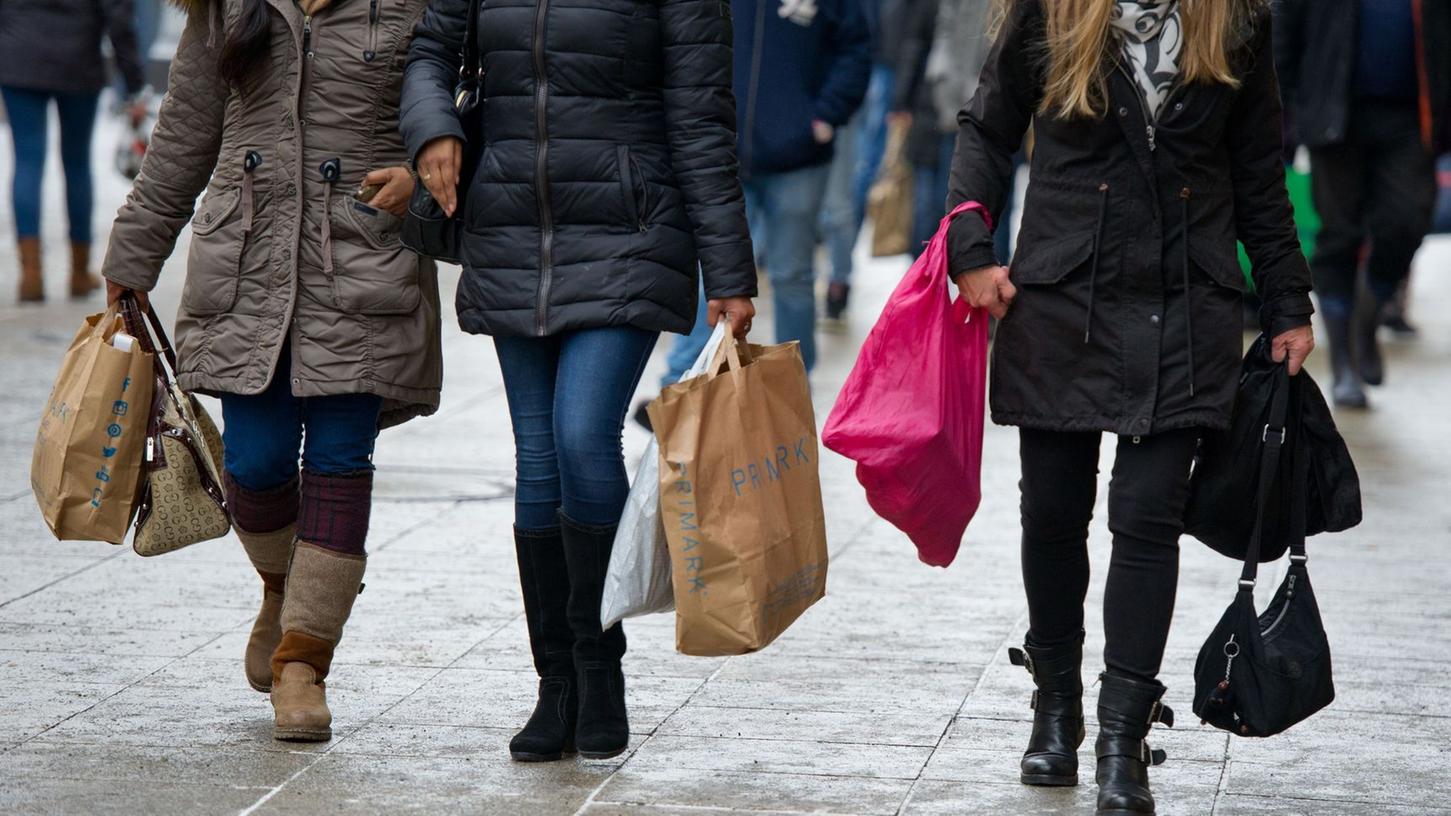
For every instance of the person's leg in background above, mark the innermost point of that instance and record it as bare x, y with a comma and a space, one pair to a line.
1146, 500
1338, 181
1400, 201
77, 126
684, 349
531, 371
262, 441
929, 194
1059, 483
787, 205
599, 370
839, 224
872, 143
329, 559
27, 112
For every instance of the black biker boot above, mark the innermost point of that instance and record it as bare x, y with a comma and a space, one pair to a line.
1052, 756
603, 730
1369, 313
1347, 389
549, 734
1126, 710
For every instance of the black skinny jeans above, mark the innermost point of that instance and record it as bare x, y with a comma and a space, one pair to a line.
1146, 501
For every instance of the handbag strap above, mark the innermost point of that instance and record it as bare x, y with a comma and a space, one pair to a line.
1272, 443
146, 327
470, 59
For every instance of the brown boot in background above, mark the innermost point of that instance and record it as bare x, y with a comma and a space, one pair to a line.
83, 282
32, 279
270, 554
321, 587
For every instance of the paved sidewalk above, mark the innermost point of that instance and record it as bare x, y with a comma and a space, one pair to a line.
121, 687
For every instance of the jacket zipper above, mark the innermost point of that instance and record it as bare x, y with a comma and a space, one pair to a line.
541, 172
1149, 123
371, 52
758, 38
1284, 609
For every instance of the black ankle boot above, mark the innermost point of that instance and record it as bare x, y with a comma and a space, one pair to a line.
1052, 756
1366, 324
544, 579
603, 730
1126, 710
1347, 389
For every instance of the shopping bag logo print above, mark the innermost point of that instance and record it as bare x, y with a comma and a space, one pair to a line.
114, 431
691, 563
749, 477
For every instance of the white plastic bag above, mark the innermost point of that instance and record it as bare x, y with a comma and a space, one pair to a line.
638, 580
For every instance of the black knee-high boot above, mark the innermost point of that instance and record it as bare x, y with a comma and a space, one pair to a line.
604, 727
549, 734
1127, 709
1052, 756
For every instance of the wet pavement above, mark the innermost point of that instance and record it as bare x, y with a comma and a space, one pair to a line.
121, 685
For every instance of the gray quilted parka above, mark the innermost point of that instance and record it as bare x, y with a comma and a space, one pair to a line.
282, 256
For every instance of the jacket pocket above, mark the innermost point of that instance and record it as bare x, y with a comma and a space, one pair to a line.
373, 273
1221, 266
214, 261
1044, 263
631, 187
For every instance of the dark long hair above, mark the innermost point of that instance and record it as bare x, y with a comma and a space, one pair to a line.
247, 43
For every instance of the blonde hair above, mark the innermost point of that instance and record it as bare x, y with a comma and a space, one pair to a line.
1078, 38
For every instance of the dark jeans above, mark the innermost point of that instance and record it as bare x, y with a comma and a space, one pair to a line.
567, 399
29, 115
1381, 185
1146, 501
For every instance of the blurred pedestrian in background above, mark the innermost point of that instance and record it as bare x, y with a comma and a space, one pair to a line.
50, 53
1368, 83
801, 71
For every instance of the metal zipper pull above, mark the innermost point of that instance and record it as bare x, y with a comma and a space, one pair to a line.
1150, 130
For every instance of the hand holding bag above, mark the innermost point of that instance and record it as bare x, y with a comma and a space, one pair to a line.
181, 499
426, 229
911, 413
1259, 674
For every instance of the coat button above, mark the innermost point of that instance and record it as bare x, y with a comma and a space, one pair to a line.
1122, 111
291, 189
1178, 106
286, 254
1154, 319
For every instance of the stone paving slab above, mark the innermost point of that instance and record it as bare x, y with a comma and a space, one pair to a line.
121, 687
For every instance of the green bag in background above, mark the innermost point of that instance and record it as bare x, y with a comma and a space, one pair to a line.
1306, 219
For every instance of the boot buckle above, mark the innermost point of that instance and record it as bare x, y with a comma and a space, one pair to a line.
1019, 657
1151, 756
1160, 713
1033, 703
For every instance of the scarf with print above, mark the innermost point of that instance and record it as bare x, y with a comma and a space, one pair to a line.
1152, 36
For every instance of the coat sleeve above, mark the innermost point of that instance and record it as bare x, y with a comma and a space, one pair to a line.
427, 112
849, 65
700, 114
911, 65
1264, 217
179, 162
990, 131
121, 31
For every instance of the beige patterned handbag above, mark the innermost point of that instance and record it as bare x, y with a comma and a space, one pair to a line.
182, 502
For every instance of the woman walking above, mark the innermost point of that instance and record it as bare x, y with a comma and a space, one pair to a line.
301, 309
1157, 127
606, 177
50, 53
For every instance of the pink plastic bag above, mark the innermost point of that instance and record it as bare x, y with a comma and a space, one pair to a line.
911, 412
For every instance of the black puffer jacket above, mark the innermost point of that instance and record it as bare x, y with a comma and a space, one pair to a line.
608, 165
55, 45
1129, 289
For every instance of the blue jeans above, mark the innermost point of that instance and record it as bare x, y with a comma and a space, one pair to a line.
839, 222
567, 400
929, 193
263, 433
28, 113
872, 142
783, 209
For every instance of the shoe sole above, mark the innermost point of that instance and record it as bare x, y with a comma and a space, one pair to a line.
521, 756
1050, 780
301, 735
260, 689
1121, 812
602, 754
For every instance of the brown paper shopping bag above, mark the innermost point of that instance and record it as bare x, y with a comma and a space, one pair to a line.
740, 496
88, 455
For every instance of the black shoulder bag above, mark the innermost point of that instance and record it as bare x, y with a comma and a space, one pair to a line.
426, 229
1259, 674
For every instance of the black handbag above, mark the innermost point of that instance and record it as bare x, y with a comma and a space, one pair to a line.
1219, 492
1260, 673
426, 229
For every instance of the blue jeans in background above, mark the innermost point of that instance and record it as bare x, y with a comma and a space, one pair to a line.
929, 194
686, 347
872, 142
567, 400
264, 433
783, 209
839, 222
28, 113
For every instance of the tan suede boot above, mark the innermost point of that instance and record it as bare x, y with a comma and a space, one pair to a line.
321, 588
83, 281
270, 554
32, 279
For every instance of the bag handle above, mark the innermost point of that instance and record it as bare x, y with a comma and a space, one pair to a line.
470, 62
1272, 441
961, 311
731, 355
146, 327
